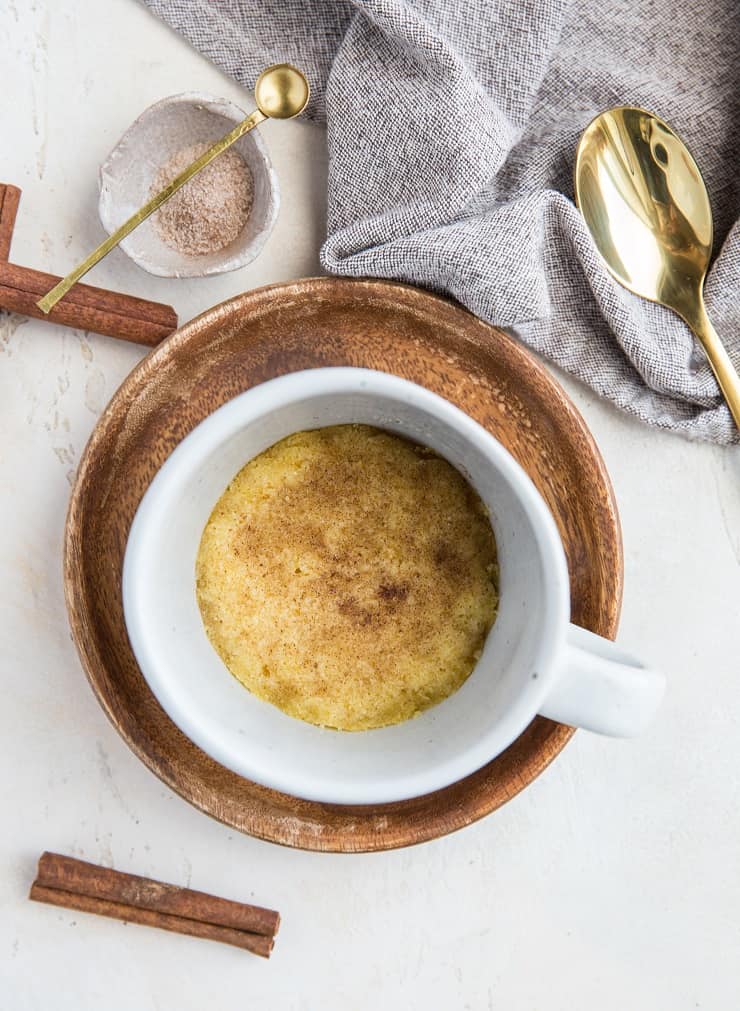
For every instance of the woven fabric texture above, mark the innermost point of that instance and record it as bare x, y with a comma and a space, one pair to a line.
452, 128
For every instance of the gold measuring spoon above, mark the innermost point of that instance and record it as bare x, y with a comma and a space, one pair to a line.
646, 206
281, 92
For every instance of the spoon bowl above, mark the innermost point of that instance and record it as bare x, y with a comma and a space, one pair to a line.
646, 205
281, 92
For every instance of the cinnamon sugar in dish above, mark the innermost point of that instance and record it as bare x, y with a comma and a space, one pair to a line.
210, 210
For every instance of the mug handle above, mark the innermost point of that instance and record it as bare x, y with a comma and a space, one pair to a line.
600, 687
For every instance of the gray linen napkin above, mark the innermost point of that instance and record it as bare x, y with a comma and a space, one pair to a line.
452, 127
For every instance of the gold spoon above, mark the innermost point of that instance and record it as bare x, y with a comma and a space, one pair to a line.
646, 206
281, 92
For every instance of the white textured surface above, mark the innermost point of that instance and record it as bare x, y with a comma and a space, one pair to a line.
613, 883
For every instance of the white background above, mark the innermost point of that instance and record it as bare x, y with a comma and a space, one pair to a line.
611, 884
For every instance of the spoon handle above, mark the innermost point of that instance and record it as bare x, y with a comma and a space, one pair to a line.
724, 370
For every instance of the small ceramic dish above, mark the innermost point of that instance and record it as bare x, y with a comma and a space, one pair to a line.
129, 170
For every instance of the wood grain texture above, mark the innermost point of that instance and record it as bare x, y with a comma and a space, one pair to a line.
266, 333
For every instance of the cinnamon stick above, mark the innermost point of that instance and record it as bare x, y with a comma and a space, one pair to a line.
76, 884
258, 944
87, 308
9, 199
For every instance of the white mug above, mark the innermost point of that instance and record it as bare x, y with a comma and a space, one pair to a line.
534, 661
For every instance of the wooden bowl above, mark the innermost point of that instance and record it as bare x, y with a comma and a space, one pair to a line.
284, 328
